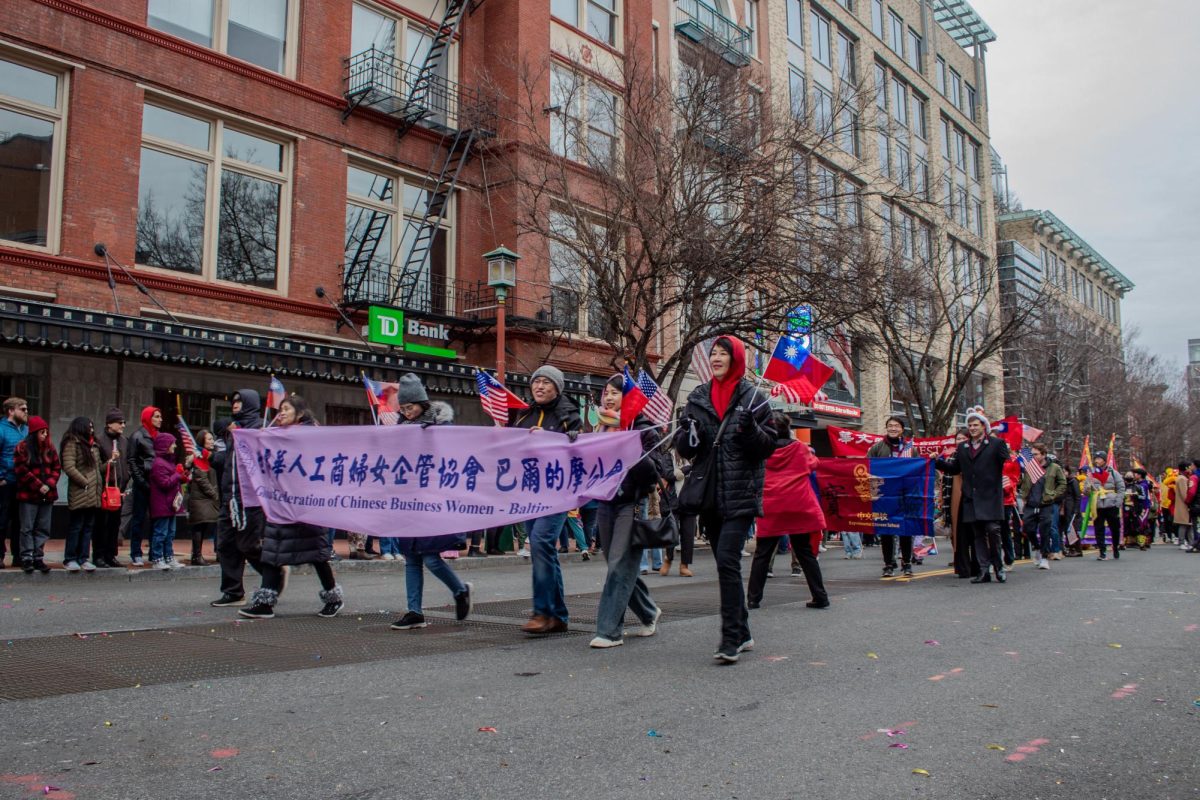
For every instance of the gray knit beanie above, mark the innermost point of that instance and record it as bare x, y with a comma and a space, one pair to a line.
411, 390
552, 374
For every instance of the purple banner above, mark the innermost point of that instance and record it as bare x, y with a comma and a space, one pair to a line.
401, 481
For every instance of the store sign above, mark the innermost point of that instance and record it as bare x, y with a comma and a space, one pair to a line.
836, 409
388, 326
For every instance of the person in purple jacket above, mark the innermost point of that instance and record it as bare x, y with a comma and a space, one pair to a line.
166, 498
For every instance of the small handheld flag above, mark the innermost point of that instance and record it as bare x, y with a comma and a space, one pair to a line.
658, 407
700, 363
792, 361
1034, 470
1085, 461
185, 433
495, 398
276, 394
632, 402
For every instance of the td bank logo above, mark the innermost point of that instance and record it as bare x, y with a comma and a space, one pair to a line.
387, 326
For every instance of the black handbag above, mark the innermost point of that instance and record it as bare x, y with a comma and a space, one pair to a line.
653, 534
699, 488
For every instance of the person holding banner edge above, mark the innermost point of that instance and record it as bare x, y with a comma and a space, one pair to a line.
980, 461
894, 445
240, 529
623, 588
551, 410
725, 431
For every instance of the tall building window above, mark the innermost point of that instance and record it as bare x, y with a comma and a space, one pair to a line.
826, 192
921, 178
969, 98
795, 22
750, 21
885, 164
574, 301
402, 39
797, 88
848, 131
847, 70
197, 172
896, 33
32, 101
877, 17
820, 39
847, 4
881, 84
599, 18
955, 89
978, 215
920, 125
584, 126
252, 30
939, 69
900, 102
379, 205
913, 55
823, 111
903, 167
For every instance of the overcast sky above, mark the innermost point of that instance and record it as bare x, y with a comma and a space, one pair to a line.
1094, 109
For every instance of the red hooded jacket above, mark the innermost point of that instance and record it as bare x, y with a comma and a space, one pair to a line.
789, 503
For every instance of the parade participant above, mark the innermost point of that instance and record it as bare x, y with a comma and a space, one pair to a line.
791, 510
961, 538
726, 427
140, 458
551, 410
1010, 531
1167, 505
1182, 518
424, 552
623, 588
13, 430
81, 464
291, 545
37, 467
1041, 505
240, 528
980, 461
1109, 487
1193, 502
204, 501
1138, 516
1072, 527
894, 445
114, 471
166, 498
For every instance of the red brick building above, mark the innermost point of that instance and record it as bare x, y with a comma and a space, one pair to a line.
237, 156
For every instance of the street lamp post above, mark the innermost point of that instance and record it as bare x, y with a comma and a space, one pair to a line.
501, 276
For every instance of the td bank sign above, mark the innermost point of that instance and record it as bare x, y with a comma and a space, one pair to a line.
388, 326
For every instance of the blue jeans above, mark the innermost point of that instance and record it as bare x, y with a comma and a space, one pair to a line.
587, 515
137, 522
549, 599
1041, 527
79, 535
573, 527
654, 556
414, 577
162, 541
389, 546
622, 586
852, 543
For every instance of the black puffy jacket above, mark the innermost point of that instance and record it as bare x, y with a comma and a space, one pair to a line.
642, 477
560, 415
250, 418
299, 543
744, 448
139, 458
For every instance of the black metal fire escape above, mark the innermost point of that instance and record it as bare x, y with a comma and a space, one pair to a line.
415, 94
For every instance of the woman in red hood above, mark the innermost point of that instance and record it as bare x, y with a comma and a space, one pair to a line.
725, 431
790, 508
140, 460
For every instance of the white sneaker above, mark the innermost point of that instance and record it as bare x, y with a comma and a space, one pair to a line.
601, 643
1037, 556
651, 627
822, 548
523, 552
173, 564
387, 557
1183, 546
71, 566
88, 566
137, 562
400, 559
1043, 564
158, 564
745, 554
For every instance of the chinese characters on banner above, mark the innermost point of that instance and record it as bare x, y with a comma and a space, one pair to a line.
404, 481
849, 443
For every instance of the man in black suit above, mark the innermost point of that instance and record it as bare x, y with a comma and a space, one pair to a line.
980, 461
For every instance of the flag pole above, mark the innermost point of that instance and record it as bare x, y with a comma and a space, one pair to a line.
370, 398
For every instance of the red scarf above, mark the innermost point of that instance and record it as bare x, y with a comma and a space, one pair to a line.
723, 389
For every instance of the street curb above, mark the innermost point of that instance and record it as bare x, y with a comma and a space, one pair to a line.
16, 577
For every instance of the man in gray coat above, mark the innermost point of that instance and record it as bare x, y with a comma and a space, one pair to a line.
1109, 487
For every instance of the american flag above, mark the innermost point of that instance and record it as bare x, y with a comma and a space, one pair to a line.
495, 399
659, 407
700, 364
185, 434
1034, 470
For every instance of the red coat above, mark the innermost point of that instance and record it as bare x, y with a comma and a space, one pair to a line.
789, 503
1012, 471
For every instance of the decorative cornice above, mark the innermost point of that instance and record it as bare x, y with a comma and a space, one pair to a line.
165, 283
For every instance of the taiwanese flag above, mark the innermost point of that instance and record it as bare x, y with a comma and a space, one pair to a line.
276, 394
792, 364
889, 496
1011, 431
632, 401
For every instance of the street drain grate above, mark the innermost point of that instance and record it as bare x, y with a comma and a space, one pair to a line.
59, 665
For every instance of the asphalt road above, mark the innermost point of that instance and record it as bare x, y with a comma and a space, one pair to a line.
1079, 682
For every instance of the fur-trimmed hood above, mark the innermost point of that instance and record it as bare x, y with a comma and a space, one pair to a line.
438, 413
